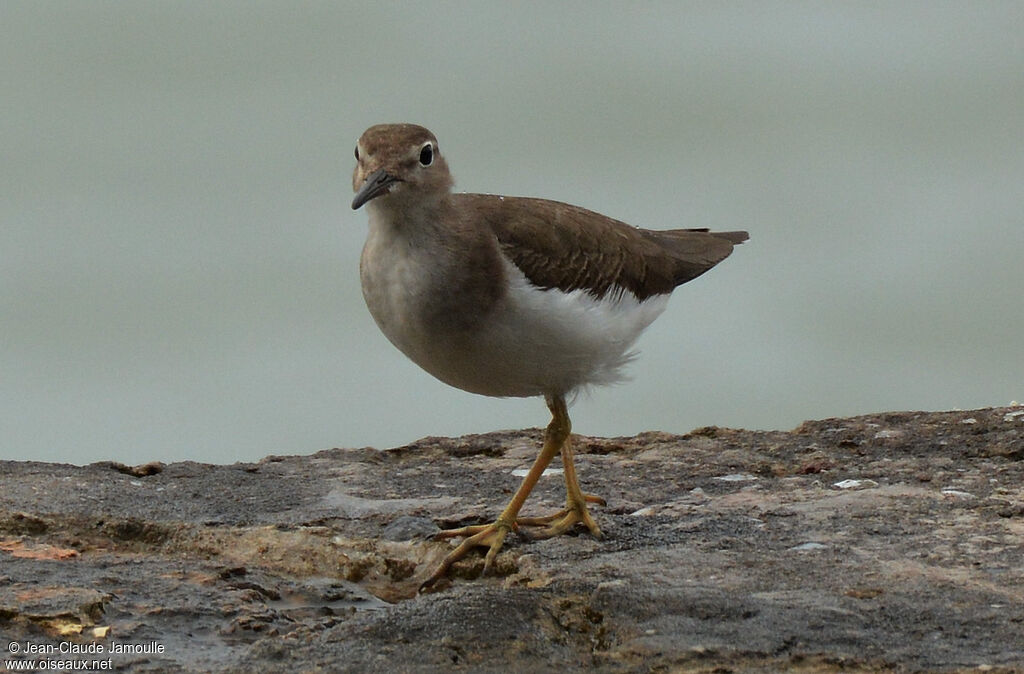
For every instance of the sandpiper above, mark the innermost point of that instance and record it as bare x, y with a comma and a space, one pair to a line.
510, 296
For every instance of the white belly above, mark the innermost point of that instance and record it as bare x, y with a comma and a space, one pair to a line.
540, 342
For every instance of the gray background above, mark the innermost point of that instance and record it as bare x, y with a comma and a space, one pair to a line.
178, 260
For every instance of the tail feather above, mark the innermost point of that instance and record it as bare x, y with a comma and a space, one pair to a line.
734, 237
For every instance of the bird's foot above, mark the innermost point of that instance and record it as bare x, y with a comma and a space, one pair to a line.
575, 512
491, 536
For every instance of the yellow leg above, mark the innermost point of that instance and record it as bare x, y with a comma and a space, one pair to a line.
493, 535
575, 511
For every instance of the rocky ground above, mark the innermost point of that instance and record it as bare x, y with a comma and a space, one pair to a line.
890, 542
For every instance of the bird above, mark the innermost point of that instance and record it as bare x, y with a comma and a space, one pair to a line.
511, 297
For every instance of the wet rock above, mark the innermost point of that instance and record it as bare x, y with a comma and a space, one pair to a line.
877, 543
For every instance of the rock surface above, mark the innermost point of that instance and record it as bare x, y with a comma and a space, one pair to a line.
878, 543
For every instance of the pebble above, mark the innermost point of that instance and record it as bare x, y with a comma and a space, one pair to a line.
735, 477
855, 484
409, 527
522, 472
804, 547
956, 493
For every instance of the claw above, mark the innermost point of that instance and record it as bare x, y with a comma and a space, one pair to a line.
491, 536
554, 517
466, 532
564, 520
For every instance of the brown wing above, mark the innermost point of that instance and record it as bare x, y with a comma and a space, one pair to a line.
561, 246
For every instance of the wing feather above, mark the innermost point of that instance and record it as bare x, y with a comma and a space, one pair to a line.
558, 245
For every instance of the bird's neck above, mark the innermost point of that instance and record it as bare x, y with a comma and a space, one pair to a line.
419, 221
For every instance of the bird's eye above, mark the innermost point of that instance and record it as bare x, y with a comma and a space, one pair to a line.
427, 155
357, 153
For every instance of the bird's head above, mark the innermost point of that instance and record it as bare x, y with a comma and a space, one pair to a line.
399, 163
